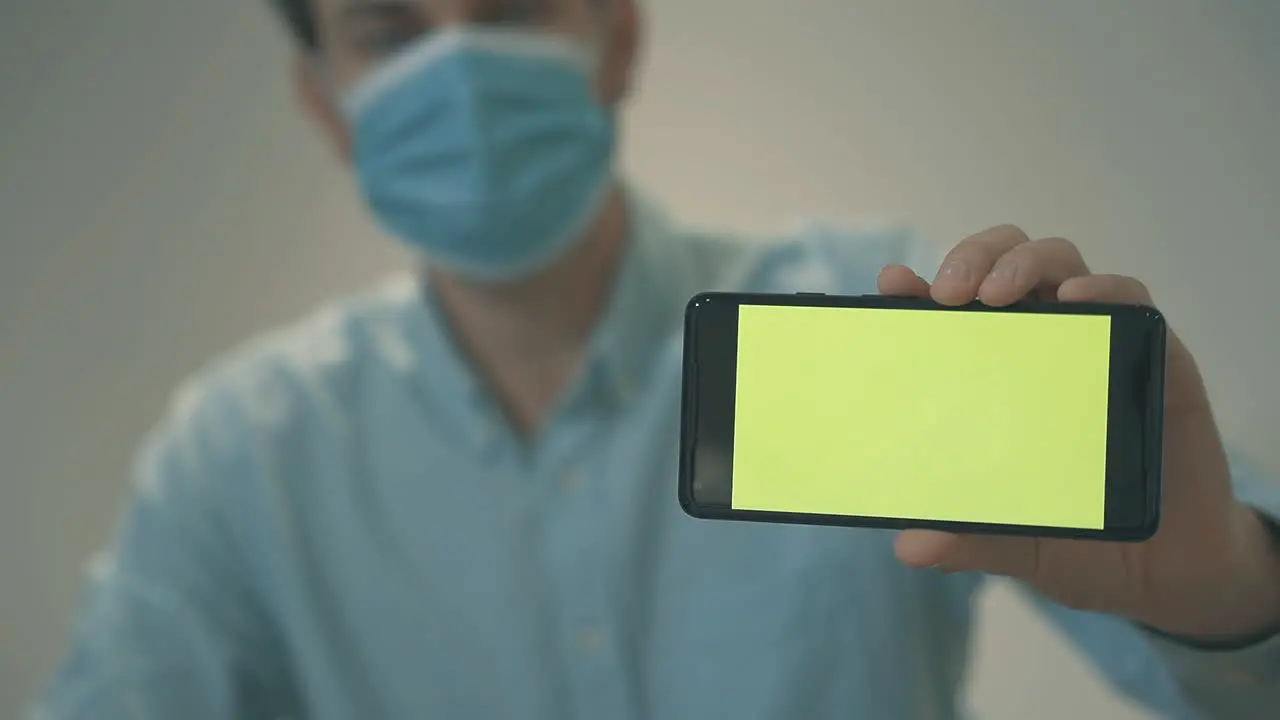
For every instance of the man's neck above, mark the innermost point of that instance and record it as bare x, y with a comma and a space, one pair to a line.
527, 339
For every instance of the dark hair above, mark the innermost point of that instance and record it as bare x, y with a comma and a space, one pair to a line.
297, 15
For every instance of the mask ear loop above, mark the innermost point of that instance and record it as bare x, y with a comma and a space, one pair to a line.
597, 45
322, 71
326, 80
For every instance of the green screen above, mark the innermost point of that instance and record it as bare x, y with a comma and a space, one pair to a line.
961, 416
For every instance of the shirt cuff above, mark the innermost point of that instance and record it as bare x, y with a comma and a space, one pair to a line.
1241, 683
1255, 665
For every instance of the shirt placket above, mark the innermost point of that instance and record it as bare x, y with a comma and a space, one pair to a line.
577, 552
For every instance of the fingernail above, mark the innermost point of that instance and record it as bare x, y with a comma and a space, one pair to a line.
1005, 271
955, 270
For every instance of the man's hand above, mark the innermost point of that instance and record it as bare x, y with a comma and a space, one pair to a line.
1212, 570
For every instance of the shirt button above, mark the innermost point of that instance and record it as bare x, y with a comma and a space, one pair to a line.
624, 391
589, 640
485, 435
571, 480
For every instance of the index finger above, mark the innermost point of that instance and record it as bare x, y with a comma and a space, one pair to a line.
902, 281
971, 260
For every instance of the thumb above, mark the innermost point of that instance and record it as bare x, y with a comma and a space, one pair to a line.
999, 555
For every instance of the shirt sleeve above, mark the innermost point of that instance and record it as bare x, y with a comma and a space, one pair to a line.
1178, 679
167, 625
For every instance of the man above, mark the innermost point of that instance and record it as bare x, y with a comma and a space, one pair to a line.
454, 496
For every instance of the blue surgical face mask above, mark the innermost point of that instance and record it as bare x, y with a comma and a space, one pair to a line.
487, 150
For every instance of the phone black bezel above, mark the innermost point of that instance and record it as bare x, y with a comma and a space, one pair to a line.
1134, 433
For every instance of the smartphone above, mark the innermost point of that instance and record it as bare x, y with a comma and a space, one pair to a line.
1040, 419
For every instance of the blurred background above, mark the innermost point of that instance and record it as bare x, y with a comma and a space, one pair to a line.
161, 198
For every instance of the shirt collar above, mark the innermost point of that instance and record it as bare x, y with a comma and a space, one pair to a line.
646, 304
643, 309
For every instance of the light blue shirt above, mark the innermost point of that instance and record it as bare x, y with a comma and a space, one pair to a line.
335, 522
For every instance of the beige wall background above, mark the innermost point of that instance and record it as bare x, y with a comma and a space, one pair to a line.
160, 199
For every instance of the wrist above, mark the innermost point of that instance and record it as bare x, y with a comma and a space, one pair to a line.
1262, 568
1241, 605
